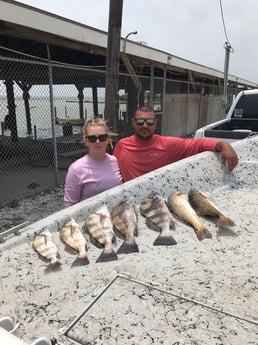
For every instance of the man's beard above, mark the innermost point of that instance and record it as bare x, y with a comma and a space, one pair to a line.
144, 136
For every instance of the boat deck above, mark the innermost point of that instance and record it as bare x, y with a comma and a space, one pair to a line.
194, 292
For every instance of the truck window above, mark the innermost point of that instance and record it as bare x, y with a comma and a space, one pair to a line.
247, 107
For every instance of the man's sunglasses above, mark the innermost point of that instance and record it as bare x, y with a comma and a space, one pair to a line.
93, 138
140, 122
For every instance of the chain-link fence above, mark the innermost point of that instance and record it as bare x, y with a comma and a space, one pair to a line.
44, 105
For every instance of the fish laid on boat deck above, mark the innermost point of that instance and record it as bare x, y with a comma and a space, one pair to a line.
125, 221
204, 206
182, 210
71, 236
47, 249
158, 217
100, 228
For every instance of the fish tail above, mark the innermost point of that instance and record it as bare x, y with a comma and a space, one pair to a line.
53, 266
167, 240
202, 233
225, 221
80, 261
127, 248
107, 256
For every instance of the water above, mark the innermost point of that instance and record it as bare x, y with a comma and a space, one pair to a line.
41, 114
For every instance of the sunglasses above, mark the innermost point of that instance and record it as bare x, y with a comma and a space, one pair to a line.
93, 138
149, 122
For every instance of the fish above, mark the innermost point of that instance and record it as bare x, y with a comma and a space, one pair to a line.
183, 211
125, 221
158, 217
204, 206
73, 238
47, 249
100, 227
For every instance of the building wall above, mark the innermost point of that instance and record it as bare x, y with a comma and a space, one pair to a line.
184, 113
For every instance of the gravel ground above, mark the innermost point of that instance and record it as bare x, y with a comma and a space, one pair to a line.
31, 209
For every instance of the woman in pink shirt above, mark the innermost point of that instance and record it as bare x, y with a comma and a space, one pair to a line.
95, 172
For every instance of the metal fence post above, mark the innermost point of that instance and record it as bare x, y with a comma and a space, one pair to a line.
52, 112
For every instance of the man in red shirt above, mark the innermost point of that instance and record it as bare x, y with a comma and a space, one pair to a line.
145, 151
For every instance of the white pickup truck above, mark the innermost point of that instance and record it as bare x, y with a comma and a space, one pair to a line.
241, 120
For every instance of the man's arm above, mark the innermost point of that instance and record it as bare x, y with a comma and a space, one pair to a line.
228, 155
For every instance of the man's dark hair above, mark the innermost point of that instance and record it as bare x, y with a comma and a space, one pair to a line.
144, 108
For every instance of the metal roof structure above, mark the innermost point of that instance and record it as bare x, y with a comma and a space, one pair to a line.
27, 29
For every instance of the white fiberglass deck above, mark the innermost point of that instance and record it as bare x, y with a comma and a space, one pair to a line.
191, 293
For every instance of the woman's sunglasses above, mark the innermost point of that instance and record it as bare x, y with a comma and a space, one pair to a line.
93, 138
140, 122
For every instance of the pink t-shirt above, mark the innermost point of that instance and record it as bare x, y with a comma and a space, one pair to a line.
136, 158
87, 177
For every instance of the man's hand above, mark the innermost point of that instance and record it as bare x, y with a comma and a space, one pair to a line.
228, 155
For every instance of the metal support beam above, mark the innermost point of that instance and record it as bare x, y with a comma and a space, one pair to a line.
131, 71
113, 57
26, 96
228, 49
11, 110
95, 100
151, 99
52, 112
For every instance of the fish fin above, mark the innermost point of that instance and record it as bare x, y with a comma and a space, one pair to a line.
181, 220
80, 261
95, 242
152, 225
172, 225
45, 239
225, 221
53, 267
202, 233
70, 250
41, 257
127, 248
114, 241
205, 195
164, 241
105, 257
72, 230
118, 233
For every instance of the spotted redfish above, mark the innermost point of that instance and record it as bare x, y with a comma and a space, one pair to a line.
204, 206
182, 210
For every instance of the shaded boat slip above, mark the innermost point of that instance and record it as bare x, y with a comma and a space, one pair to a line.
201, 292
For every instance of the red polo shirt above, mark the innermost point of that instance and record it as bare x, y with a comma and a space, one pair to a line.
136, 158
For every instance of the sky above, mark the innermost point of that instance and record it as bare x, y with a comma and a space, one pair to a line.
190, 29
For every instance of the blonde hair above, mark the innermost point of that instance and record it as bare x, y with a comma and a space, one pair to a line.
94, 122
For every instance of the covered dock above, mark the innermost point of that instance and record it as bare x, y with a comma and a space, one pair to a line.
27, 32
